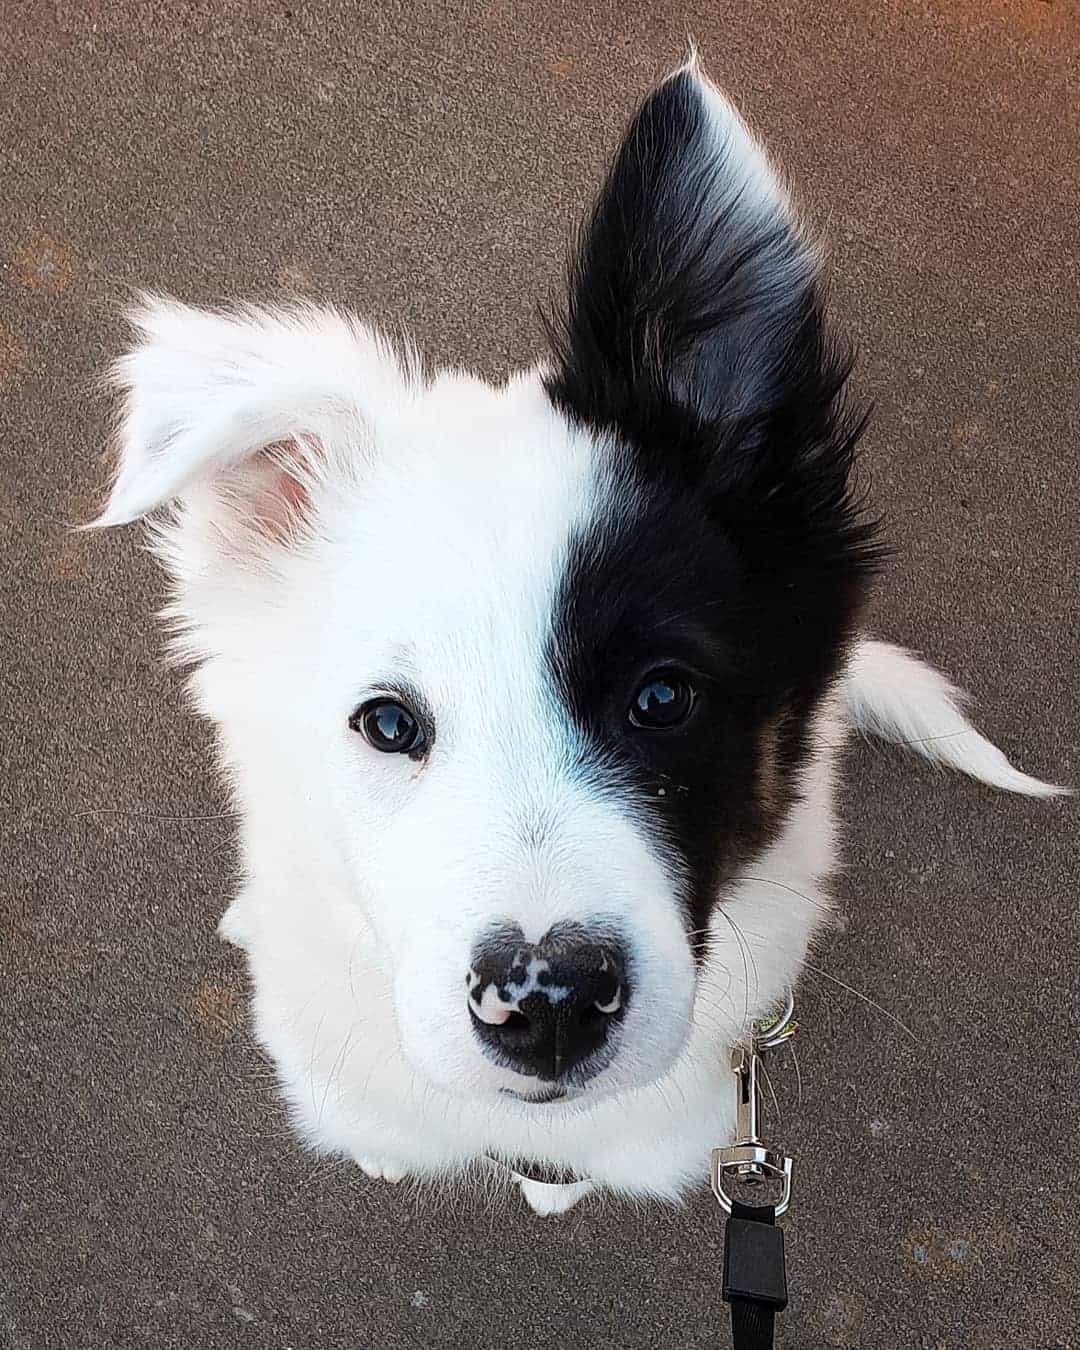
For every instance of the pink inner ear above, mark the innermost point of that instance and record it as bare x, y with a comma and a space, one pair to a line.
280, 499
293, 494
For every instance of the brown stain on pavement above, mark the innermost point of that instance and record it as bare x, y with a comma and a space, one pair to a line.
217, 1008
294, 275
67, 554
12, 356
954, 1253
69, 550
840, 1320
44, 264
964, 433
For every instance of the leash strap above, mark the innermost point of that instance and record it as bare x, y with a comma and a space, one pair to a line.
755, 1280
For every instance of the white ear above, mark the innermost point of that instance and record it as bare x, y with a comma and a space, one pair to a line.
205, 392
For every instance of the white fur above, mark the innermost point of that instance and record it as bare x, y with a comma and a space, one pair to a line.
435, 532
368, 877
754, 182
205, 391
405, 529
893, 695
547, 1200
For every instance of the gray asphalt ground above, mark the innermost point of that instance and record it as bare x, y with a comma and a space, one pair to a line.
426, 165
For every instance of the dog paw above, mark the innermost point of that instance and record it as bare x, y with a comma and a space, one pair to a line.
546, 1200
381, 1169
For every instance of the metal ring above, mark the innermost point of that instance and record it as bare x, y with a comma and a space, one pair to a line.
781, 1030
779, 1170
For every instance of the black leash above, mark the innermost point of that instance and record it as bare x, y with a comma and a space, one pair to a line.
755, 1277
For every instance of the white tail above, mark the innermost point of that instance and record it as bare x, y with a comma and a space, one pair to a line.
891, 694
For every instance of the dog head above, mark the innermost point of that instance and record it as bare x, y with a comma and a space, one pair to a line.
526, 674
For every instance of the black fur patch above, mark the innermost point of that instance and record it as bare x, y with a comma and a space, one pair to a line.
730, 544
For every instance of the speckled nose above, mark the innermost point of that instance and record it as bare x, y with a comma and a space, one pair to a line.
546, 1009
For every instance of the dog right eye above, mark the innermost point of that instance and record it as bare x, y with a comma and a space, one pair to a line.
388, 726
663, 701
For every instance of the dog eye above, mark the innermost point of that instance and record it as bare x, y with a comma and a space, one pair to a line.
664, 700
388, 726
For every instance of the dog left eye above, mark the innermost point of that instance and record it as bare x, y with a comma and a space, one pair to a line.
388, 726
664, 700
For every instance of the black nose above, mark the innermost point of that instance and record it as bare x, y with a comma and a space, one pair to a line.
545, 1008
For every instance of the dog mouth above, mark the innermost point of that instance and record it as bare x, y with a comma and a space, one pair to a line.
542, 1098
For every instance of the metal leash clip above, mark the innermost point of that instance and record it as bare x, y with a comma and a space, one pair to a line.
749, 1160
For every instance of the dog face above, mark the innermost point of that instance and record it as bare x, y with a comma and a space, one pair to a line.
525, 675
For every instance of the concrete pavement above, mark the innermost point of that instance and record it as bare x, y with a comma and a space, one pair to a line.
425, 163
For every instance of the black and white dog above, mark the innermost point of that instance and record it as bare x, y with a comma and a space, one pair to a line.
531, 697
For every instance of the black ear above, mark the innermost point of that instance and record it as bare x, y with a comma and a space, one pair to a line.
694, 329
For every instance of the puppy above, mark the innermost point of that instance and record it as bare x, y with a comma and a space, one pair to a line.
530, 697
